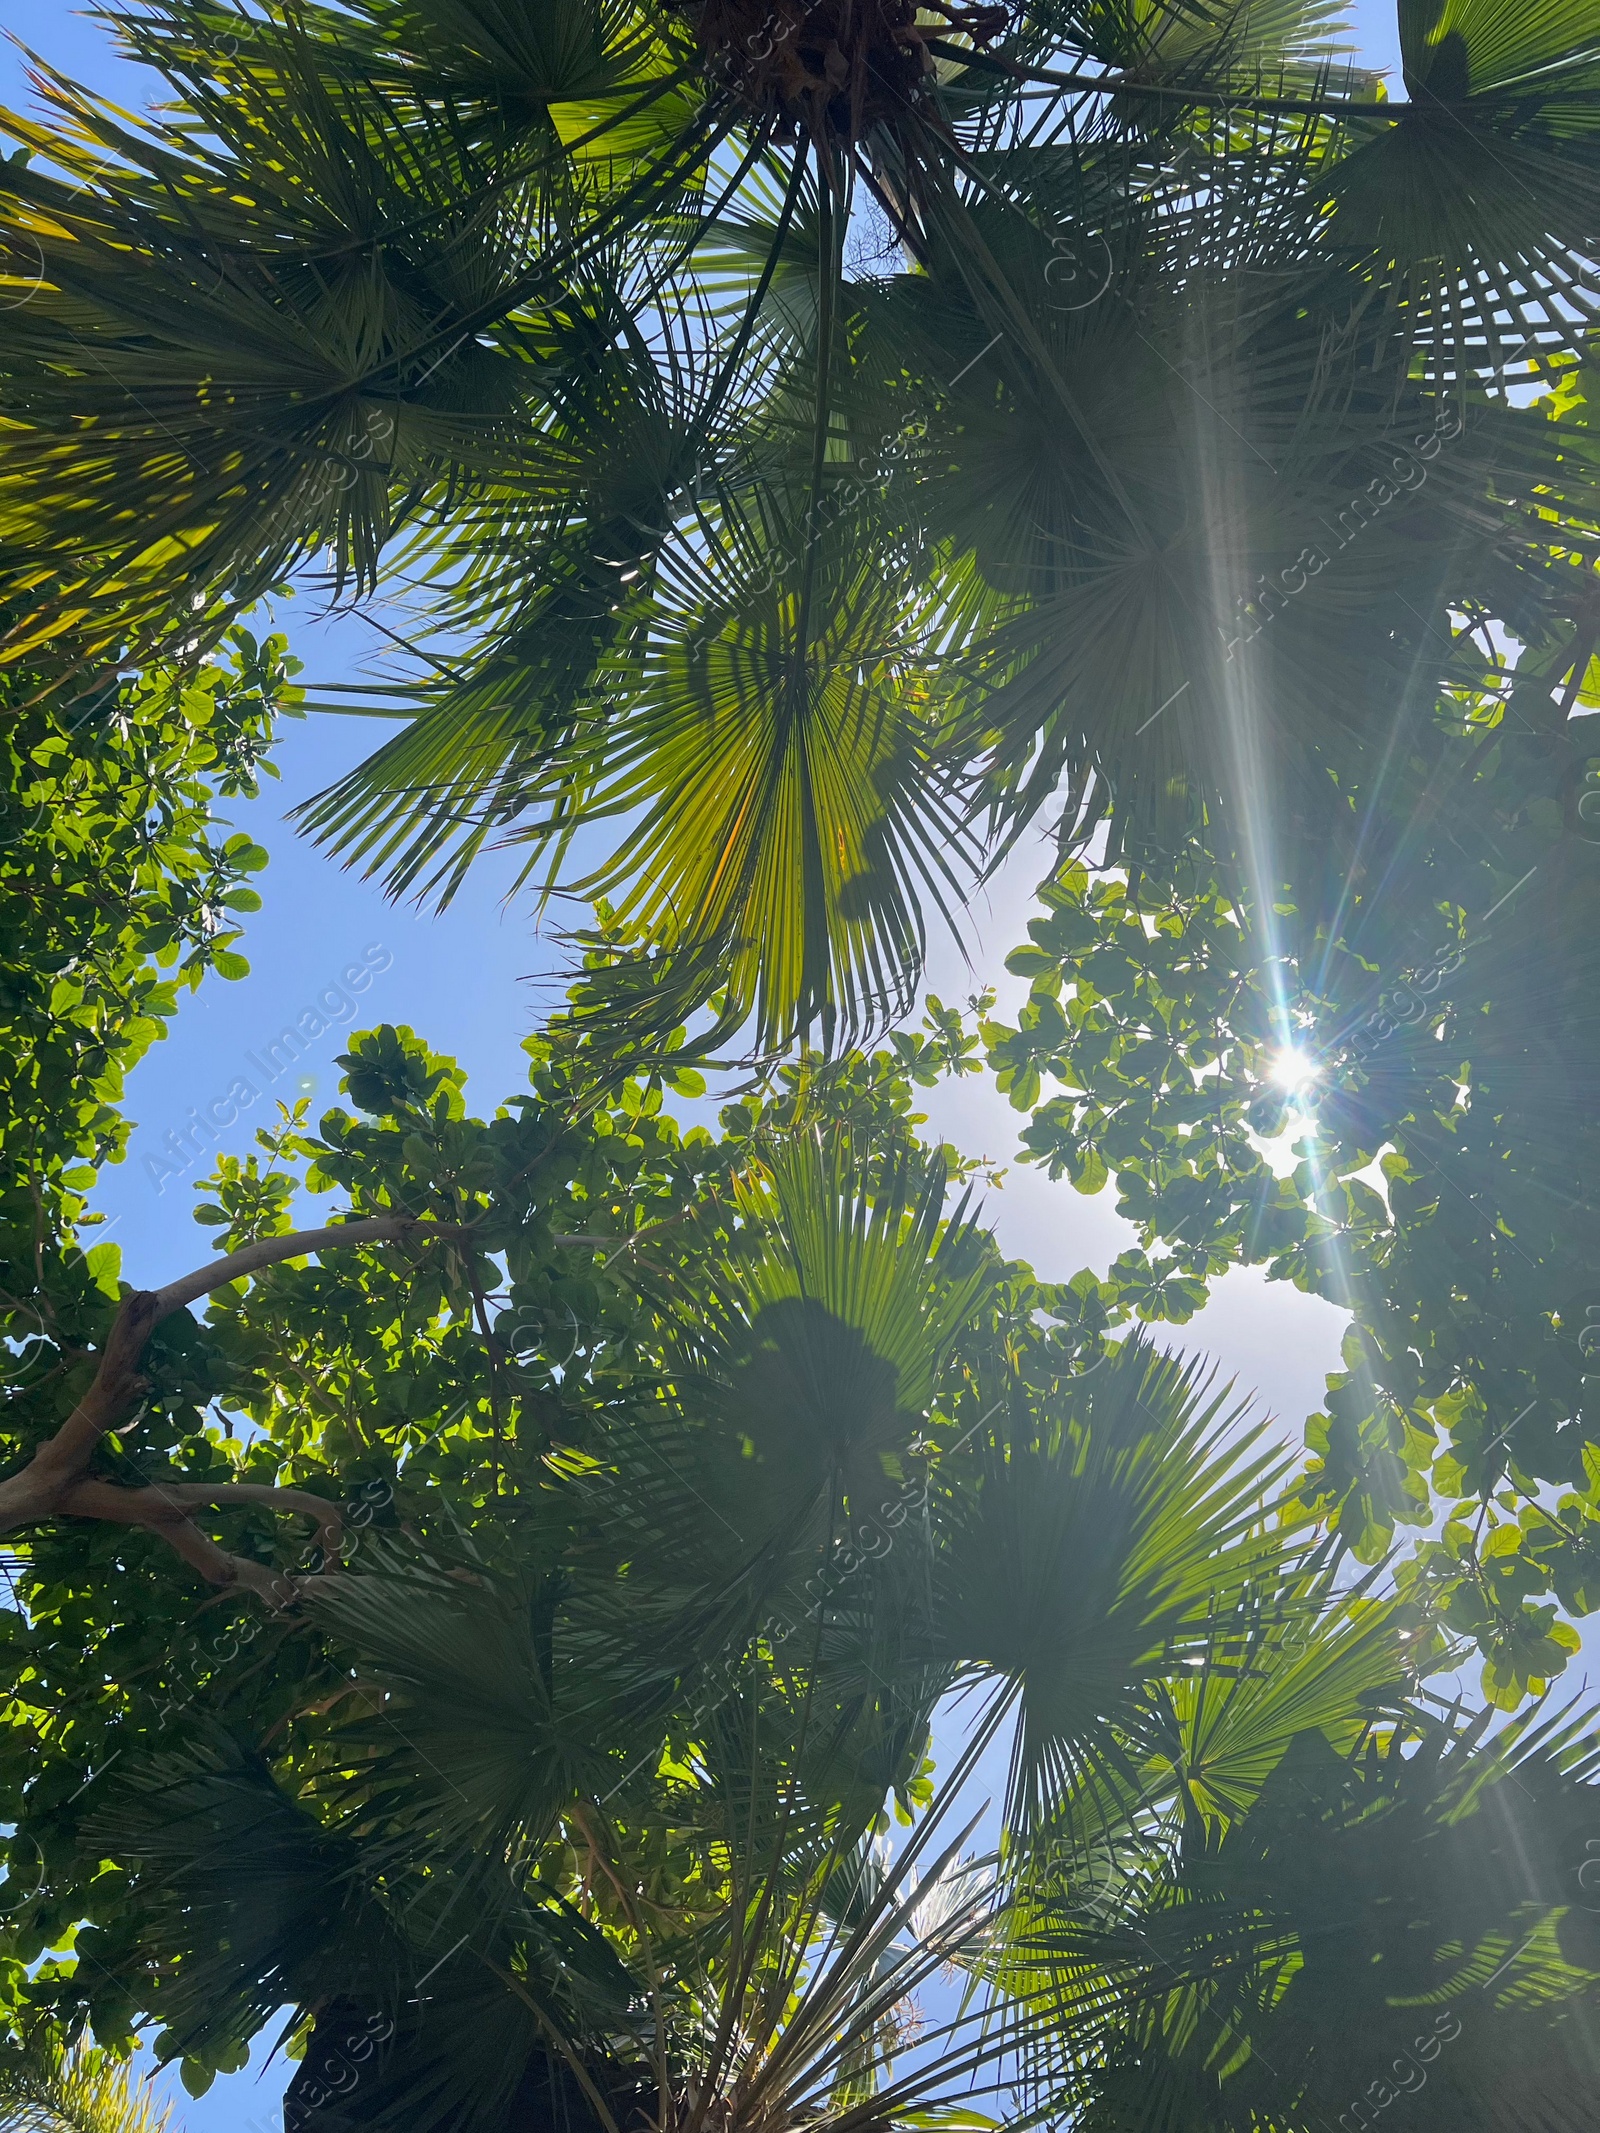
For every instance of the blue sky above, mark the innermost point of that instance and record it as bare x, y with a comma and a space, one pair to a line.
470, 982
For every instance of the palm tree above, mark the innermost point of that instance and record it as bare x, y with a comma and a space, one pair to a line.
48, 2088
594, 1832
762, 590
1407, 1926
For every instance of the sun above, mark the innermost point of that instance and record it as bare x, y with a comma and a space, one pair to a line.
1295, 1070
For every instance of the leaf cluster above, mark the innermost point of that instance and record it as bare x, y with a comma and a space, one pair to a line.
1427, 972
767, 597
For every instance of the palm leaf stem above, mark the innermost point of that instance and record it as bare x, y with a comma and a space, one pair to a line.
1183, 93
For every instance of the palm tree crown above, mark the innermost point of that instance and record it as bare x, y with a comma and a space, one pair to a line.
1146, 466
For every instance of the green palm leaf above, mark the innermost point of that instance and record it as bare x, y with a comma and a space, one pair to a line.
1312, 1661
270, 1906
781, 767
824, 1339
498, 1710
1486, 194
1395, 1922
45, 2089
1083, 1559
468, 299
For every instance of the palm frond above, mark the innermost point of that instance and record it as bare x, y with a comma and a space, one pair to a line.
45, 2088
823, 1340
1366, 1897
272, 1907
1082, 1561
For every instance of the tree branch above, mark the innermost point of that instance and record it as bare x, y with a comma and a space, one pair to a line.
298, 1244
158, 1510
56, 1482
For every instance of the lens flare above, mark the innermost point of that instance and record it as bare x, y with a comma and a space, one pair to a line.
1294, 1070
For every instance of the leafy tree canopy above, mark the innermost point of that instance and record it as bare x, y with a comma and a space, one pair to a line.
597, 1513
661, 1485
119, 890
1409, 999
806, 581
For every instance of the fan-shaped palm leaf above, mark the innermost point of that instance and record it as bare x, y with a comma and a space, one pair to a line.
1415, 1901
466, 299
270, 1906
1081, 1563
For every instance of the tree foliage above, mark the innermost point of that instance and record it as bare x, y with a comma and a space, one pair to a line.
1427, 973
1392, 1928
806, 583
119, 889
635, 1548
45, 2089
680, 1478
